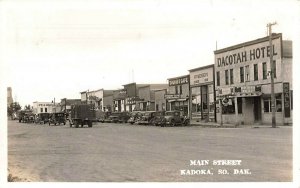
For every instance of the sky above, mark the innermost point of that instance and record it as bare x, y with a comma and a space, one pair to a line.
57, 49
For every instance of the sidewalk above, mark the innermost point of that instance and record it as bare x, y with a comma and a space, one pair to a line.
226, 125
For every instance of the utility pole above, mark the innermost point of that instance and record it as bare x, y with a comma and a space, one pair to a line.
272, 75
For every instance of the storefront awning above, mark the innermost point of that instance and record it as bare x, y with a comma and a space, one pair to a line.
256, 94
181, 99
178, 100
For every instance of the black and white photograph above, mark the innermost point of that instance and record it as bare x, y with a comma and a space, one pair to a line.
137, 92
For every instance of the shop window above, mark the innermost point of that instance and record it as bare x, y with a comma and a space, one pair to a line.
278, 103
242, 74
255, 72
226, 77
268, 104
231, 76
228, 106
218, 78
247, 73
264, 65
240, 105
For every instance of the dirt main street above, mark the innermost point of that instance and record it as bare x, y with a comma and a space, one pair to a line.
124, 152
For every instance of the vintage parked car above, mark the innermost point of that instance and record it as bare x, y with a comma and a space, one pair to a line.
173, 118
103, 116
31, 118
57, 118
146, 118
26, 116
135, 115
118, 117
158, 118
42, 118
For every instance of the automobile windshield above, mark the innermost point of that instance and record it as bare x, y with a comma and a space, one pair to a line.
115, 114
158, 114
169, 113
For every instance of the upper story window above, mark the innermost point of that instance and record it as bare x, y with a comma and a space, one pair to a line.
218, 78
231, 76
226, 77
247, 73
264, 68
255, 69
242, 76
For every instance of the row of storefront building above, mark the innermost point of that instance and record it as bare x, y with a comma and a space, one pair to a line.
236, 89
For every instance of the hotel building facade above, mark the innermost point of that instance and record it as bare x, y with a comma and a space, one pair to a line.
243, 82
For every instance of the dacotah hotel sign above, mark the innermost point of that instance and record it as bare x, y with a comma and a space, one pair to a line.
248, 52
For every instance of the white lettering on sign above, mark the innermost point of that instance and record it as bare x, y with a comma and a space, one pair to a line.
178, 81
257, 51
241, 57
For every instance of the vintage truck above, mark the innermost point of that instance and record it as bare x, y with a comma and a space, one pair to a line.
82, 114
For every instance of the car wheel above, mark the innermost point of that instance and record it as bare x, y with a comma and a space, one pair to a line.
172, 123
186, 123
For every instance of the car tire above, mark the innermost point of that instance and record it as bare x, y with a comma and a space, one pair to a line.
173, 123
186, 123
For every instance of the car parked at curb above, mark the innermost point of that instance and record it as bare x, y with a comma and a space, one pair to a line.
134, 116
158, 118
173, 118
146, 118
42, 118
57, 118
118, 117
103, 116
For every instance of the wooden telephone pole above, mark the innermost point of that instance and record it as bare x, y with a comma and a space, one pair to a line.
272, 76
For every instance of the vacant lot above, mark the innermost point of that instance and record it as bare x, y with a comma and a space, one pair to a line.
123, 152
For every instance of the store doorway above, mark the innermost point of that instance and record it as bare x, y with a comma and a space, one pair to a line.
257, 109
